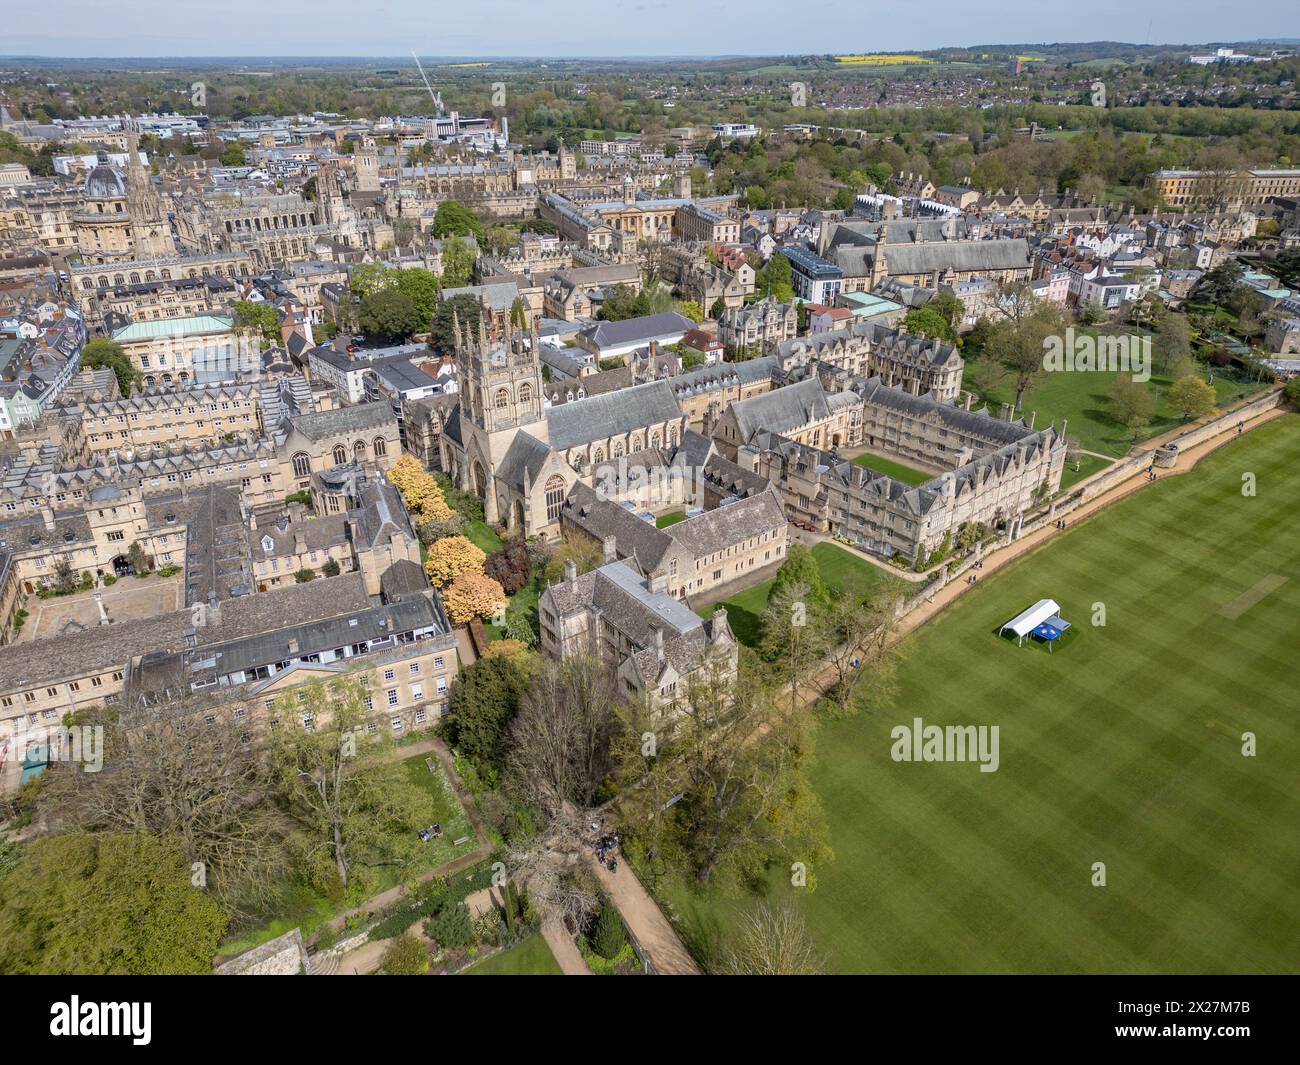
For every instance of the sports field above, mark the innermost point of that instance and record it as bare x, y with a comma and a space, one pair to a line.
1125, 748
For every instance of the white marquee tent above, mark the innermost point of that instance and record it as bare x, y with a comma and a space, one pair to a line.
1028, 620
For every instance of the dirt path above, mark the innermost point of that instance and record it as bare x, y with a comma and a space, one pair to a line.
645, 921
563, 947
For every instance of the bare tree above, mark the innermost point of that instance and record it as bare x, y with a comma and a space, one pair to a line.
174, 771
861, 636
560, 745
772, 942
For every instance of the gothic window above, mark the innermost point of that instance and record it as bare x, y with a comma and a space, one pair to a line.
380, 447
554, 497
359, 451
301, 465
502, 399
616, 451
598, 455
525, 393
340, 455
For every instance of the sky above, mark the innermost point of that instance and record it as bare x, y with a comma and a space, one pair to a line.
141, 28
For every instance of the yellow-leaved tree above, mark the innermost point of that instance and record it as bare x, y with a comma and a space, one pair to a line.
419, 489
452, 557
473, 595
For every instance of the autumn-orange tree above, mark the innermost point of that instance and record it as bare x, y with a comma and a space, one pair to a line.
419, 489
451, 557
473, 595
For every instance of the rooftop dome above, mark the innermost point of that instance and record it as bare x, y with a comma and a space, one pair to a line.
105, 181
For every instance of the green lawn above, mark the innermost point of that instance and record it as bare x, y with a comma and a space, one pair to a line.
481, 533
839, 569
894, 469
310, 911
1088, 465
1084, 400
671, 518
1124, 749
531, 957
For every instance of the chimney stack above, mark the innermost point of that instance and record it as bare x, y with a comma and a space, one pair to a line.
611, 549
571, 572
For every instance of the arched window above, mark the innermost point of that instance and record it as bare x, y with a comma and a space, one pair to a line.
654, 439
525, 393
302, 464
340, 455
359, 451
502, 399
87, 284
616, 451
380, 447
554, 497
598, 455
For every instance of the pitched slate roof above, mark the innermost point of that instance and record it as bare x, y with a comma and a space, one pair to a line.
611, 414
782, 409
637, 330
523, 460
360, 416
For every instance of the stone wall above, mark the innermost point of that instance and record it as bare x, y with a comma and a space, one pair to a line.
283, 956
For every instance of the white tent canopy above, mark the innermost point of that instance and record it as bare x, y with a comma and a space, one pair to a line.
1028, 620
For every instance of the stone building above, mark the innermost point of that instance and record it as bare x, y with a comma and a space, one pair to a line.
657, 647
521, 457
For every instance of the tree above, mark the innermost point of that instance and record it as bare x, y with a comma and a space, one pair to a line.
390, 314
351, 806
1292, 391
561, 740
115, 903
452, 926
257, 319
860, 634
926, 321
582, 551
175, 776
101, 352
1131, 404
800, 567
607, 937
331, 568
740, 763
776, 279
772, 942
1192, 397
473, 595
405, 955
1172, 344
1017, 340
483, 702
718, 309
421, 286
691, 310
233, 154
457, 262
464, 309
454, 219
304, 575
950, 307
794, 635
365, 279
511, 566
451, 558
